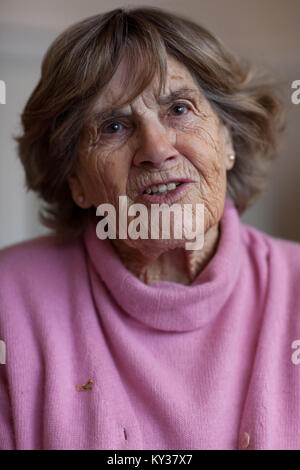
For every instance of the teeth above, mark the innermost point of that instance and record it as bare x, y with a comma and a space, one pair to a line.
162, 189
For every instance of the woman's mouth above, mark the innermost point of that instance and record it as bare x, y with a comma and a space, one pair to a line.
165, 192
161, 189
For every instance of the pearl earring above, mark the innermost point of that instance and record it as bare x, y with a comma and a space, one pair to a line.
80, 199
231, 157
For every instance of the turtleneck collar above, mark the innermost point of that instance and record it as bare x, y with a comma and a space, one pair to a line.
169, 306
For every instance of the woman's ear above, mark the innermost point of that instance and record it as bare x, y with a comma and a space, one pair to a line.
228, 149
78, 194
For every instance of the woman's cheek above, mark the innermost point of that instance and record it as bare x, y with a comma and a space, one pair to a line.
93, 179
201, 150
112, 174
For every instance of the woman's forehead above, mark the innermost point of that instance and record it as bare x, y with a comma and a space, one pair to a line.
177, 77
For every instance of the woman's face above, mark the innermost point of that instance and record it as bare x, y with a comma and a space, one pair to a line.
175, 137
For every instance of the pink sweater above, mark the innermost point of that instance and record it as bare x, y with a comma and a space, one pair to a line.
206, 366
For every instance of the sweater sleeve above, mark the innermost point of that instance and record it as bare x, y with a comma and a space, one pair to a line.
6, 424
7, 439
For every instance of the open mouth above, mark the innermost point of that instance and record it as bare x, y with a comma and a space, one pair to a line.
162, 189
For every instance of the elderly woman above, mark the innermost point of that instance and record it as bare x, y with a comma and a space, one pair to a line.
119, 342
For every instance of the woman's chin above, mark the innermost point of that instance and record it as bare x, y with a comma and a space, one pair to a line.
155, 245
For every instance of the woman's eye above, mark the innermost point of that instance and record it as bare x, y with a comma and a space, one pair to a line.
180, 109
112, 128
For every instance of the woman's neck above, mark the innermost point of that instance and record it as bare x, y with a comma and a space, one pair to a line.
173, 265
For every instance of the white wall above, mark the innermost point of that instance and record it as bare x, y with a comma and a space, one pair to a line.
266, 31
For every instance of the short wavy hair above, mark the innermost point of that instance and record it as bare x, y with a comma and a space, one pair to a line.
81, 62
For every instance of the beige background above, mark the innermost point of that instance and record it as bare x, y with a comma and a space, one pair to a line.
266, 31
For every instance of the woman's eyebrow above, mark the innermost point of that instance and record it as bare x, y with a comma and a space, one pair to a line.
182, 93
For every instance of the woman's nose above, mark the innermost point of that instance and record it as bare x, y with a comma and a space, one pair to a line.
155, 147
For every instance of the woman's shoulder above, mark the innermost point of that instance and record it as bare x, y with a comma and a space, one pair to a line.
44, 254
32, 246
260, 238
275, 250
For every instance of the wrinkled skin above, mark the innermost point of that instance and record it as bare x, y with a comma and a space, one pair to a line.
183, 139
